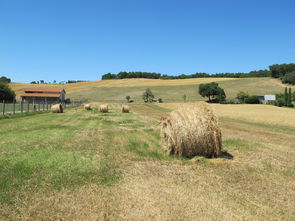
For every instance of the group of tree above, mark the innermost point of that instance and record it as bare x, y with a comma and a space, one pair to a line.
285, 99
151, 75
212, 90
286, 72
6, 93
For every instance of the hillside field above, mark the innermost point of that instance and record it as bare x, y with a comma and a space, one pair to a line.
168, 90
83, 165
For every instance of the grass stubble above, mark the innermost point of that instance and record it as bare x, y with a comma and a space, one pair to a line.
86, 165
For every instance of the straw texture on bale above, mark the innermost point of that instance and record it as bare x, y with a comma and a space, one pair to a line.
103, 108
125, 109
57, 108
87, 107
192, 130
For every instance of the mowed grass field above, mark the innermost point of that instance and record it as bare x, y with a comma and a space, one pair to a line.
168, 90
83, 165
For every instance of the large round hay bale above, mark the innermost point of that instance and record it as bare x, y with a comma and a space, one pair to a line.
103, 108
57, 108
125, 109
192, 130
87, 107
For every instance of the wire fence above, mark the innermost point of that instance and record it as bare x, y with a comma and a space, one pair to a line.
22, 107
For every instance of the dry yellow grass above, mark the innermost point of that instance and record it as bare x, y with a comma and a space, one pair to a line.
19, 87
257, 113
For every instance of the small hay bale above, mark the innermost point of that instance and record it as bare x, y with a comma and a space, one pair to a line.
104, 108
192, 130
87, 107
57, 108
125, 109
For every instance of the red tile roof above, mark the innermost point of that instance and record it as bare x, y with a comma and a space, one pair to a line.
56, 90
39, 95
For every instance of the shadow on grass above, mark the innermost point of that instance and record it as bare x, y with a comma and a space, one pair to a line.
226, 155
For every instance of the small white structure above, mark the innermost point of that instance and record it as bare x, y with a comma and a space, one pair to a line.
269, 98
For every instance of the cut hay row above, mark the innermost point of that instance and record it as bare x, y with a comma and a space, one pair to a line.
57, 108
192, 130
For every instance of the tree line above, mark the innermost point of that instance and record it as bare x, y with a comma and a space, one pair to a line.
152, 75
286, 72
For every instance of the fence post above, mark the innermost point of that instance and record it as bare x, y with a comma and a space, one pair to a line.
3, 107
43, 106
28, 108
21, 107
38, 106
13, 106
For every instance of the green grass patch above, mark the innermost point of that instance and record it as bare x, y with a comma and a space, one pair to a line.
143, 150
240, 144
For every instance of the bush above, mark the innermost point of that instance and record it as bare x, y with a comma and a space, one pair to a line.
230, 102
128, 98
242, 96
279, 102
6, 93
252, 100
160, 100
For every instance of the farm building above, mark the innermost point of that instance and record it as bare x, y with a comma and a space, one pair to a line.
268, 98
43, 95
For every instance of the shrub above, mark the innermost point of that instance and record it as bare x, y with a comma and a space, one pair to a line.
160, 100
242, 96
252, 100
148, 96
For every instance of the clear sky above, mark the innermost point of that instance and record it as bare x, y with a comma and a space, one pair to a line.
81, 40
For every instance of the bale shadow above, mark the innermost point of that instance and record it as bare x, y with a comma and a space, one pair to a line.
226, 155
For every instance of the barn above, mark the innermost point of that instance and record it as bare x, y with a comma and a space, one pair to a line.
43, 95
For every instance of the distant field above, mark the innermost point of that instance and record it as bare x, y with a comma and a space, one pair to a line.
174, 93
77, 87
91, 166
168, 90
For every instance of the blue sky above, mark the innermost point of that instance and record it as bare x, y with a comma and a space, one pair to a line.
81, 40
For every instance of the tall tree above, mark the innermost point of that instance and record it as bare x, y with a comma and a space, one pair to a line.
6, 93
4, 79
290, 98
211, 90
